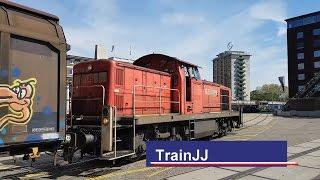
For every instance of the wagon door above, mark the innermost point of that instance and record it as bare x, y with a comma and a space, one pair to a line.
35, 83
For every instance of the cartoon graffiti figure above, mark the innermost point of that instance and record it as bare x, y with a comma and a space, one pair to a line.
19, 99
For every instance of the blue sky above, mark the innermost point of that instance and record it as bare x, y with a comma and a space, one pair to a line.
195, 31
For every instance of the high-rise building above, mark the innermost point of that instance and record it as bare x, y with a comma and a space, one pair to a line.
303, 40
232, 69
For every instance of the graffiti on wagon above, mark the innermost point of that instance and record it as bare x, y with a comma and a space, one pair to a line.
18, 98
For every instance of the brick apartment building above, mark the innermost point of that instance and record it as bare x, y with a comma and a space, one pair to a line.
303, 42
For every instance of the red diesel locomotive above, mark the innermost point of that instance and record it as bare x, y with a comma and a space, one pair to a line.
118, 106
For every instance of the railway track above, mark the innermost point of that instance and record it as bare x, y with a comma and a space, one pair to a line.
252, 119
256, 123
245, 127
86, 168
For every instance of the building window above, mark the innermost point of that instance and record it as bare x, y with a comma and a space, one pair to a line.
317, 88
316, 43
300, 88
301, 77
301, 66
300, 45
316, 53
301, 55
69, 71
299, 35
303, 21
317, 64
316, 32
309, 20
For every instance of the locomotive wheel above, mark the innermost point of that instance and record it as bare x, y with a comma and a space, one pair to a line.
140, 148
235, 124
70, 157
228, 128
177, 137
222, 132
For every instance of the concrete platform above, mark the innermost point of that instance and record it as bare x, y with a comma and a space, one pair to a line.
306, 154
205, 174
315, 114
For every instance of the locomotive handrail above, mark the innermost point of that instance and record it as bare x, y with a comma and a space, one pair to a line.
103, 92
160, 101
91, 99
114, 114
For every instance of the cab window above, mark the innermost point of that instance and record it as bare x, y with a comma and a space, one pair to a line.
102, 77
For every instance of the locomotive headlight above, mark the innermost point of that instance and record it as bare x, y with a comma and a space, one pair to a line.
105, 121
106, 115
89, 67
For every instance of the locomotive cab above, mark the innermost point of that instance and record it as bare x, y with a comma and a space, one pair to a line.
197, 96
183, 74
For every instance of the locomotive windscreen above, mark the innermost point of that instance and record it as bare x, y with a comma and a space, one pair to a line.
88, 94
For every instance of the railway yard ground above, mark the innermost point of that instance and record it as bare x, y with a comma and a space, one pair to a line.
302, 134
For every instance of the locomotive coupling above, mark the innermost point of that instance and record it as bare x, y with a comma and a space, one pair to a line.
70, 139
35, 153
78, 139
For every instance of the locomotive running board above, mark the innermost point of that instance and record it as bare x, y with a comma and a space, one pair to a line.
120, 154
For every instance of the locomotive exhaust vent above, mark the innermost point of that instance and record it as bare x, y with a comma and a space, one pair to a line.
100, 52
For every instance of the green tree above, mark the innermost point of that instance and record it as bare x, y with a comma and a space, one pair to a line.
269, 92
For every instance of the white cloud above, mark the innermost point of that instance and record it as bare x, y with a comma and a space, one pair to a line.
282, 31
269, 10
267, 62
